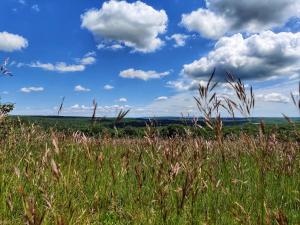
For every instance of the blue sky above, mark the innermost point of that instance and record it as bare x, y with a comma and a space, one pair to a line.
147, 56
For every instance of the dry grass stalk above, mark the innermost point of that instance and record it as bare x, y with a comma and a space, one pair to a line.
55, 143
95, 105
296, 98
246, 100
32, 216
281, 218
60, 108
121, 115
208, 104
55, 169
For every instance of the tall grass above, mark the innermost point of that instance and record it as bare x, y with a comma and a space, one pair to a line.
57, 178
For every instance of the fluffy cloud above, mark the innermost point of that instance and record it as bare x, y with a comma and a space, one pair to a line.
12, 42
63, 67
76, 106
222, 16
205, 22
179, 39
81, 107
273, 97
143, 75
136, 25
161, 98
108, 87
116, 47
87, 110
110, 46
260, 56
80, 88
185, 84
58, 67
31, 89
89, 60
122, 100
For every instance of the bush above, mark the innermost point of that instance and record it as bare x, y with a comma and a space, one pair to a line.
130, 131
173, 131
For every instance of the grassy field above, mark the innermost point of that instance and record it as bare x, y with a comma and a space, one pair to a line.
50, 177
58, 170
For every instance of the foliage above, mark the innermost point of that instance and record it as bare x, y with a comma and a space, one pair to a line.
6, 108
173, 131
166, 127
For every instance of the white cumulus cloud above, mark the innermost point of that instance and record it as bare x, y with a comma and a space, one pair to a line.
143, 75
229, 16
179, 39
110, 46
58, 67
260, 56
205, 22
89, 60
81, 107
63, 67
108, 87
12, 42
135, 25
79, 88
86, 110
123, 100
185, 84
273, 97
161, 98
31, 89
